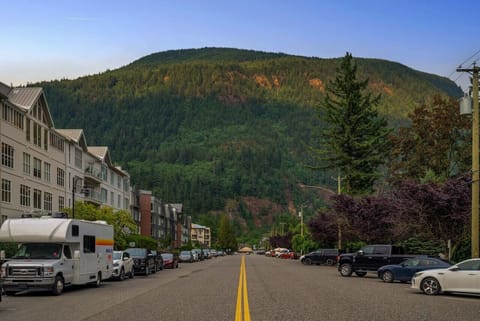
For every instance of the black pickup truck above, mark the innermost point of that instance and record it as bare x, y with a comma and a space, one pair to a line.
370, 258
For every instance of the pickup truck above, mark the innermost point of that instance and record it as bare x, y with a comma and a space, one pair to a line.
370, 258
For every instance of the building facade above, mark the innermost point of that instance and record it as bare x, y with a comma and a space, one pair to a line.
201, 234
44, 169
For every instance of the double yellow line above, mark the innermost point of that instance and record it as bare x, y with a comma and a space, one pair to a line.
242, 293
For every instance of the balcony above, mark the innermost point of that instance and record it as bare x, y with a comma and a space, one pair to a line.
93, 175
92, 196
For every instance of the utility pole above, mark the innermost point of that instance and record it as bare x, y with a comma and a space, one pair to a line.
475, 161
339, 227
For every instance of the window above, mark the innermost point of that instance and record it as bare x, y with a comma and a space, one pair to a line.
104, 195
88, 244
46, 169
37, 198
7, 155
37, 134
12, 116
119, 181
119, 201
104, 172
112, 198
25, 195
6, 191
67, 252
57, 142
37, 167
45, 139
75, 230
47, 201
27, 131
78, 158
112, 179
61, 203
26, 163
381, 250
60, 177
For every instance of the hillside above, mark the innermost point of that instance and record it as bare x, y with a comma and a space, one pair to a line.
204, 126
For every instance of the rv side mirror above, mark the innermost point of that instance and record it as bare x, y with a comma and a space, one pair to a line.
76, 254
360, 252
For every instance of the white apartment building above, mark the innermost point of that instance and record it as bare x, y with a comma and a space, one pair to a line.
200, 234
40, 163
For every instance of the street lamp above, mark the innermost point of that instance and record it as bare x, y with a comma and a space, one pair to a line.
300, 214
74, 190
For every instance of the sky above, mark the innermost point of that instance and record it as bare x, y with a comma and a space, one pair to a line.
56, 39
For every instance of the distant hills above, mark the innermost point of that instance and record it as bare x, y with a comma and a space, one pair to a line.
224, 129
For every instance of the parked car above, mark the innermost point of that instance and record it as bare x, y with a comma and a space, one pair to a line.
158, 260
404, 271
122, 265
462, 278
186, 256
207, 254
280, 252
321, 256
143, 259
370, 258
200, 254
289, 255
170, 260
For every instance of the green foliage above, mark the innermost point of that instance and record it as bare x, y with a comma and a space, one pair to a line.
122, 222
142, 241
303, 244
204, 126
226, 235
423, 245
10, 248
354, 246
355, 140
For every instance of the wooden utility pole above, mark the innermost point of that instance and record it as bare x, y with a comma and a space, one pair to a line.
475, 161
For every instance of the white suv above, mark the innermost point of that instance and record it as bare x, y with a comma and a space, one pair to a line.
122, 265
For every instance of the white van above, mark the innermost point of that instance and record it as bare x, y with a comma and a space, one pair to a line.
56, 252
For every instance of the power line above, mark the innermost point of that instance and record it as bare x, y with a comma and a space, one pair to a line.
476, 53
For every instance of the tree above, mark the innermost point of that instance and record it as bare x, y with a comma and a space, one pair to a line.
436, 145
355, 140
226, 236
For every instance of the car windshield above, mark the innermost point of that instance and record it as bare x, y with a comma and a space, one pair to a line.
137, 252
184, 253
167, 256
117, 255
39, 251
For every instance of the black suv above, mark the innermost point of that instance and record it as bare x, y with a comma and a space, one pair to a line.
143, 260
322, 256
158, 260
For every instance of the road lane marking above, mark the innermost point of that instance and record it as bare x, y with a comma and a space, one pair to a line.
242, 293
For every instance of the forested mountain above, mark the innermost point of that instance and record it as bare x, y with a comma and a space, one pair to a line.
222, 129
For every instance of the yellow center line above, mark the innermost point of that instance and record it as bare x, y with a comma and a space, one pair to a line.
242, 293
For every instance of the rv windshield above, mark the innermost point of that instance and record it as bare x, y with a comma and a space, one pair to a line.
39, 251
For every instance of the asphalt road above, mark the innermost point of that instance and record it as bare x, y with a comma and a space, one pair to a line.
277, 290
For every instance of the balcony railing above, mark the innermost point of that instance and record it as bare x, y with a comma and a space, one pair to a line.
93, 173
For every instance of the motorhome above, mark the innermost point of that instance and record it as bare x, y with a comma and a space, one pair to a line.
54, 253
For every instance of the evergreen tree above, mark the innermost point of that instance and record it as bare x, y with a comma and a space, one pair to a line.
226, 236
355, 140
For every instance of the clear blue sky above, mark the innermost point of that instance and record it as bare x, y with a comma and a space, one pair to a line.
48, 39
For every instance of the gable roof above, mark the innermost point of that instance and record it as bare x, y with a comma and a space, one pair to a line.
74, 135
25, 98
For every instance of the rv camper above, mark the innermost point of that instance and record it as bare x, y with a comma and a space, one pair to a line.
54, 253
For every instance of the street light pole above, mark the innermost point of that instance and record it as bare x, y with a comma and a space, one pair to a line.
74, 190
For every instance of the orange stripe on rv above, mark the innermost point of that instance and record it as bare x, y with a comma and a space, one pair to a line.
104, 242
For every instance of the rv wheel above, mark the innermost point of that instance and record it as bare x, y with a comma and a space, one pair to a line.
58, 285
99, 280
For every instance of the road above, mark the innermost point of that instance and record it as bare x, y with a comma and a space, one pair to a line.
276, 289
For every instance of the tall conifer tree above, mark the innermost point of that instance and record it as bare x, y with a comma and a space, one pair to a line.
355, 141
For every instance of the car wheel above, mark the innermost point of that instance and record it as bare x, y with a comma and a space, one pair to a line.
329, 262
387, 277
58, 285
346, 269
430, 286
308, 261
361, 274
121, 277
